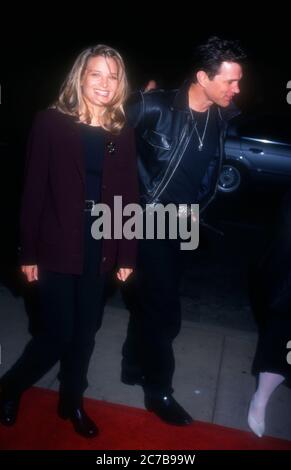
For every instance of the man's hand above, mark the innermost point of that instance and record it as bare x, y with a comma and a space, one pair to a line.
151, 85
124, 273
31, 272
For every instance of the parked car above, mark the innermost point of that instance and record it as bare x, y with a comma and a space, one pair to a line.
258, 149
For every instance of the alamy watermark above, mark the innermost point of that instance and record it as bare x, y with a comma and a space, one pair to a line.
154, 221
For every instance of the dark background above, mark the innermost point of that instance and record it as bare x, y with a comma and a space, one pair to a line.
38, 49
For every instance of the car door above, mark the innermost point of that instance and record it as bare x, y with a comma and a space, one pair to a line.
267, 149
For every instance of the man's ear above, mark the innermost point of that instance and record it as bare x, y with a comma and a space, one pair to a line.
202, 78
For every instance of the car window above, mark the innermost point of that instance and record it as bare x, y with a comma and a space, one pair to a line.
272, 128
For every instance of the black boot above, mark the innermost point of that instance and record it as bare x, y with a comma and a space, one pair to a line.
83, 425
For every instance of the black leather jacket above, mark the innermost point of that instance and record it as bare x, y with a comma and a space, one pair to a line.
164, 127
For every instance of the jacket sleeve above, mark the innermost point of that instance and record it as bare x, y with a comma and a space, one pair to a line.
35, 184
127, 249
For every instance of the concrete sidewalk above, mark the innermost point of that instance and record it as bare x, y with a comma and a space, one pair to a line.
212, 379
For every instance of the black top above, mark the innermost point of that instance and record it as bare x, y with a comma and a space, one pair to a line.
93, 139
184, 185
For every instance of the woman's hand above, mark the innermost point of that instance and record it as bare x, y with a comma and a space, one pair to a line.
124, 273
31, 272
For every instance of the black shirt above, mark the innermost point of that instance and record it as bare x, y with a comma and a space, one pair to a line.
186, 181
93, 139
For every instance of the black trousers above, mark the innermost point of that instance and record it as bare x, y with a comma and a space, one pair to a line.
155, 314
71, 307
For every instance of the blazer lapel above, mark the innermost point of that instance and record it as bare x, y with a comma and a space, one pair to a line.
78, 150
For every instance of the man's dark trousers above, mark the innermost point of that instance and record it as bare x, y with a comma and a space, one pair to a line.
155, 315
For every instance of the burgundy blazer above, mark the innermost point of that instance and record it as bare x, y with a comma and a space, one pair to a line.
52, 213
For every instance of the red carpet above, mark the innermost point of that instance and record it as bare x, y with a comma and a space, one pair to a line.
121, 427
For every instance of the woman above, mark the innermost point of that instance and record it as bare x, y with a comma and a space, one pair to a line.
80, 153
271, 301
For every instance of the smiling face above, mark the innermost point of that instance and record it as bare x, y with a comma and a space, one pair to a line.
100, 81
225, 85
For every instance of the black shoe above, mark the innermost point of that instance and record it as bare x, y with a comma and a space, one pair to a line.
8, 410
83, 425
168, 410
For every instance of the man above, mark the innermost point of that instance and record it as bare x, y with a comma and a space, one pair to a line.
180, 138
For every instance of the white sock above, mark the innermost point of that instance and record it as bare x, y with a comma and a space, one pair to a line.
268, 382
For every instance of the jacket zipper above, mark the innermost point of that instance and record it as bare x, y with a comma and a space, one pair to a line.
174, 169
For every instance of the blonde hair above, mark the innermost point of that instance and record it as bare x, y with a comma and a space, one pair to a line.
71, 100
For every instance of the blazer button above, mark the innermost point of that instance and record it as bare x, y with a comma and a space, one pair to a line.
103, 259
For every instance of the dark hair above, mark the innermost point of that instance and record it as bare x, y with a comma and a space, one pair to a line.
210, 55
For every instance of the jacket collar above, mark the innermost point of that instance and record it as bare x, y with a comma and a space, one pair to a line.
228, 113
181, 97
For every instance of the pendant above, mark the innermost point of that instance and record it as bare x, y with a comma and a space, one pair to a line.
200, 147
